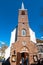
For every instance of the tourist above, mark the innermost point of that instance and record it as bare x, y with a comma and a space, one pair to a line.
26, 60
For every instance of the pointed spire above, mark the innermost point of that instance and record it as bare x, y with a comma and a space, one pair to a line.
22, 6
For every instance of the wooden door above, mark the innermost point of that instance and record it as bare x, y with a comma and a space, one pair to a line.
18, 58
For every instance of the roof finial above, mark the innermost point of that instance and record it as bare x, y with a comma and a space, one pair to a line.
22, 6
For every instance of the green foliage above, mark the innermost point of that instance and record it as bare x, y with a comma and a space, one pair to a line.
4, 47
2, 51
1, 57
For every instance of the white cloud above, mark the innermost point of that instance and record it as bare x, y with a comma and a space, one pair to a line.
2, 42
42, 37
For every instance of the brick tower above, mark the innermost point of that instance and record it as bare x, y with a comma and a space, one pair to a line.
23, 46
23, 28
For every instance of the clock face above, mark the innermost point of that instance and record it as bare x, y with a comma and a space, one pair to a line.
24, 43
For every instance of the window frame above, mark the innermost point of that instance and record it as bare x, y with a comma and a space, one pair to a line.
23, 32
40, 48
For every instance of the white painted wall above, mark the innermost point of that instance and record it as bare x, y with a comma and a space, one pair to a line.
32, 35
7, 53
12, 40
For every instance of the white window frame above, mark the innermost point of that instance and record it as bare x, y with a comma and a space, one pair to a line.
23, 32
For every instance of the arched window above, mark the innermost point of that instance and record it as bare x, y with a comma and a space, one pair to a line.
40, 48
23, 32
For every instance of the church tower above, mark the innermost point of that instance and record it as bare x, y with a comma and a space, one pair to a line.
23, 28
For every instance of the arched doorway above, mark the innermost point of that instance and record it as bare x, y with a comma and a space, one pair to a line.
21, 56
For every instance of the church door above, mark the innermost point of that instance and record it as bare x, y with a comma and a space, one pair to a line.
18, 58
21, 56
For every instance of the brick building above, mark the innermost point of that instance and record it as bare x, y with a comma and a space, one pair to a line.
22, 45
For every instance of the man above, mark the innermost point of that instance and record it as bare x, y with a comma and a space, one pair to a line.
26, 60
22, 60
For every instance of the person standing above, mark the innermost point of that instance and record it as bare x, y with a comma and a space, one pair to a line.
26, 60
22, 60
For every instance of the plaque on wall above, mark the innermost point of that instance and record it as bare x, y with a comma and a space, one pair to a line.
13, 58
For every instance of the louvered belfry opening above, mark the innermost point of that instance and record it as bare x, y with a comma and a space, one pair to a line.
23, 13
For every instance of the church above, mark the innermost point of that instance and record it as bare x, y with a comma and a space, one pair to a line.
23, 41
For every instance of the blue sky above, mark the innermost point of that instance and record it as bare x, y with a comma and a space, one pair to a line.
9, 17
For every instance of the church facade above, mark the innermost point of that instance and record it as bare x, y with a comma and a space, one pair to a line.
23, 42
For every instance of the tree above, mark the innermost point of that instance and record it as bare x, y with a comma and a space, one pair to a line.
3, 48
